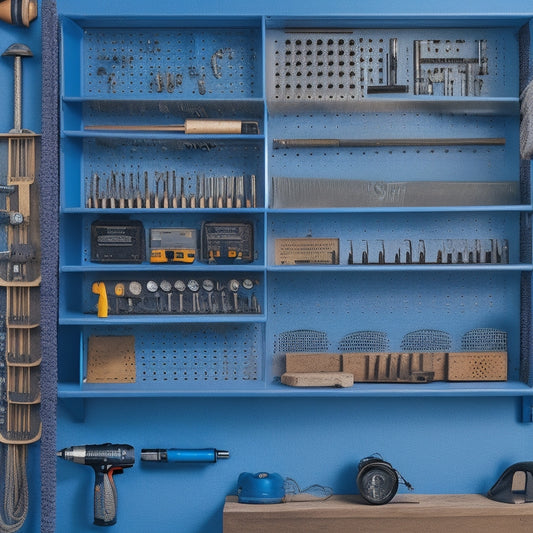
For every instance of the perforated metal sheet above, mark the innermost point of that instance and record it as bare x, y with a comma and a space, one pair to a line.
426, 340
140, 62
364, 341
197, 353
486, 339
302, 340
339, 66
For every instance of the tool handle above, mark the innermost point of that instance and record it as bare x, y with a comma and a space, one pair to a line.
237, 127
105, 496
102, 306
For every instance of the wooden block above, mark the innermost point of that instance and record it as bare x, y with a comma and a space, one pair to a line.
477, 366
317, 379
312, 362
412, 513
359, 365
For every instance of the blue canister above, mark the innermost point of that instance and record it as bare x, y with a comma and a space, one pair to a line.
260, 488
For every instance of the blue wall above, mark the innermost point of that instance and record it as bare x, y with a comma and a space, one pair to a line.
449, 445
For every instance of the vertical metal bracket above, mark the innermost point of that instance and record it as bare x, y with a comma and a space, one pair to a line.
75, 407
527, 409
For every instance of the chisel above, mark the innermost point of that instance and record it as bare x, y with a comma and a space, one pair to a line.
191, 126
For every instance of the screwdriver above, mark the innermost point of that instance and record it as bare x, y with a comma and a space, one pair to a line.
191, 126
208, 455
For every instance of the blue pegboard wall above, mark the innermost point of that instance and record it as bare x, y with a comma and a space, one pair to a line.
311, 438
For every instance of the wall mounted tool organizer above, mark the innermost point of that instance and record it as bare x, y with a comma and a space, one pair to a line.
422, 123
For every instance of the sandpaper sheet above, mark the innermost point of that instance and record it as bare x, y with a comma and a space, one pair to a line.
111, 359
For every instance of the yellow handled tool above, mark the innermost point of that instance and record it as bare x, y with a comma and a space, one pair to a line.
102, 306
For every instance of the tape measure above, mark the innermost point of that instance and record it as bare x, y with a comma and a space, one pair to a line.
378, 480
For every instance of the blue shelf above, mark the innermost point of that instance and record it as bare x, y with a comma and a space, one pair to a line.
80, 319
402, 268
423, 209
260, 389
160, 268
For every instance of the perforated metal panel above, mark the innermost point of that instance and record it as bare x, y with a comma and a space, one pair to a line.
484, 339
364, 341
302, 340
209, 353
217, 63
344, 65
426, 340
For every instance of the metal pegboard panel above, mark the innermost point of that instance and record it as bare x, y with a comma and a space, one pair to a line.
395, 303
332, 67
134, 159
207, 354
446, 230
426, 340
167, 63
484, 339
364, 341
395, 163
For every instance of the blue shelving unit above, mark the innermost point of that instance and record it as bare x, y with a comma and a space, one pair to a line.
213, 379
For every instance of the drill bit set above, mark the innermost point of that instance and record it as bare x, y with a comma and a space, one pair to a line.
198, 295
429, 251
343, 65
165, 190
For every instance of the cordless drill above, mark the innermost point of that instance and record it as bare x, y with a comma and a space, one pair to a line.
106, 459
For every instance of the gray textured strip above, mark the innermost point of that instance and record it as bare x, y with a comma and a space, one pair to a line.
49, 180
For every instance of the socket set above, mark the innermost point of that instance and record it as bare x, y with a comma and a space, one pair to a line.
344, 65
227, 243
117, 241
429, 251
165, 190
198, 295
123, 241
450, 68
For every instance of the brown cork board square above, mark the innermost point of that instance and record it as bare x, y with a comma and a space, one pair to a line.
111, 359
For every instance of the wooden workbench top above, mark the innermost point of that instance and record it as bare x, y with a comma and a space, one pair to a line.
424, 513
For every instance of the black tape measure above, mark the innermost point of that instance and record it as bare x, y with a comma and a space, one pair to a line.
378, 480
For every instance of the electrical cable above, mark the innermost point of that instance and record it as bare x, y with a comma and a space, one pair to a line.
315, 492
16, 500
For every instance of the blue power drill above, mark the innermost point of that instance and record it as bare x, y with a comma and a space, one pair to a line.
106, 460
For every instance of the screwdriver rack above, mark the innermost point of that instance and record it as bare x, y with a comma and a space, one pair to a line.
297, 83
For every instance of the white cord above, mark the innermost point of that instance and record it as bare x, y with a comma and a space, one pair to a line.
526, 122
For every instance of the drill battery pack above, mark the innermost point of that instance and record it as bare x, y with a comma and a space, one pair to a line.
227, 243
117, 241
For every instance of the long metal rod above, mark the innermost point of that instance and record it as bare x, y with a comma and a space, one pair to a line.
351, 143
